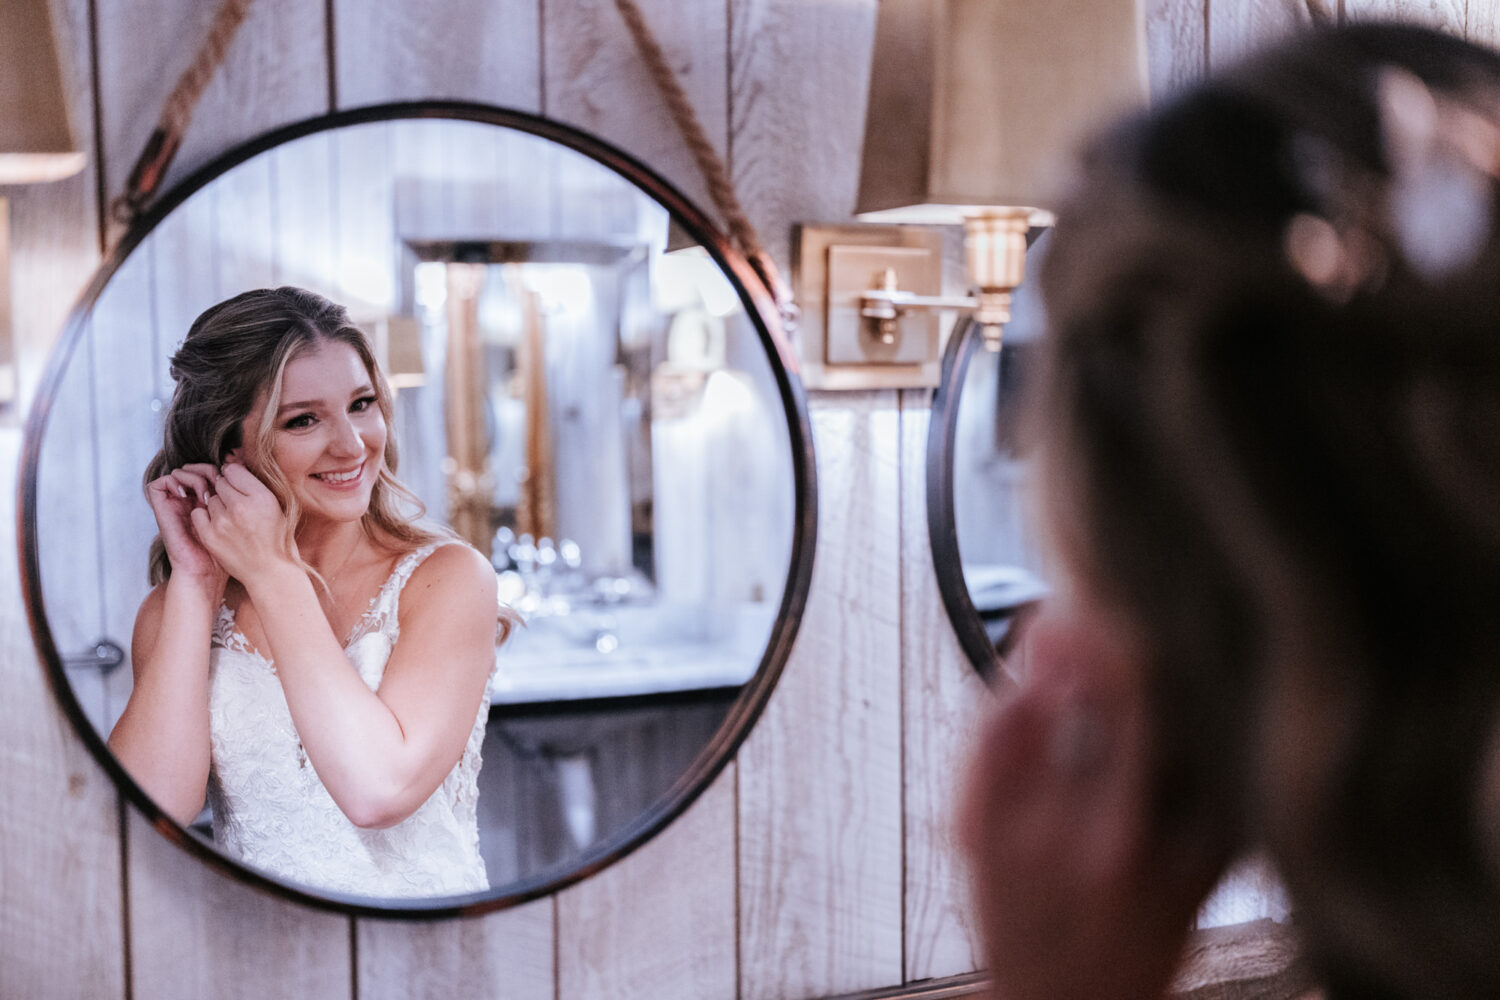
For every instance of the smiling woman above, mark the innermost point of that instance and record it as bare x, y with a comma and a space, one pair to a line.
586, 389
282, 528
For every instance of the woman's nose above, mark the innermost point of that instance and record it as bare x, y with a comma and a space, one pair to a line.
347, 439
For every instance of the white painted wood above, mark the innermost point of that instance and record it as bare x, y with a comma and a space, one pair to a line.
1176, 41
274, 72
195, 933
820, 776
127, 436
593, 78
505, 956
942, 699
1482, 22
797, 112
1444, 15
659, 924
1237, 27
304, 222
60, 902
473, 50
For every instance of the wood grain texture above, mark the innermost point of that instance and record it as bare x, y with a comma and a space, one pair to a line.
942, 698
1176, 44
472, 50
1237, 27
797, 111
1444, 15
1482, 22
196, 933
60, 900
593, 78
274, 72
820, 775
661, 922
505, 956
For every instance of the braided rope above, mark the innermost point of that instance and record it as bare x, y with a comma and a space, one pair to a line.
708, 160
177, 113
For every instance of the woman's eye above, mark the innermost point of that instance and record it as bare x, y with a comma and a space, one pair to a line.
298, 422
362, 404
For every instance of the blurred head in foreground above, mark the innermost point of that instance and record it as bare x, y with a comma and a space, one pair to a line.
1269, 421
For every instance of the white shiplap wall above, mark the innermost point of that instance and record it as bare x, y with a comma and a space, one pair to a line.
820, 861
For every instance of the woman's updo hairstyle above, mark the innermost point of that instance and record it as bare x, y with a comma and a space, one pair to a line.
1269, 419
236, 352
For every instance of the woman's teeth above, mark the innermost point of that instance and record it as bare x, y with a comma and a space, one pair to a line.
338, 477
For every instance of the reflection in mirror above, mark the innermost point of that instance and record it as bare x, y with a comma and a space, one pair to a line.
580, 395
1003, 572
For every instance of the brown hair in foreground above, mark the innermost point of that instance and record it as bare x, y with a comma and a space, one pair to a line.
1269, 423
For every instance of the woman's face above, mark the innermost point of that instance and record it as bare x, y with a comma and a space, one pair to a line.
328, 434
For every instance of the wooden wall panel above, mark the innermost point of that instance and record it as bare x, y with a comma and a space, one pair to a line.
1176, 44
195, 933
593, 78
795, 159
820, 776
1482, 22
1444, 15
504, 956
1235, 27
60, 896
274, 72
942, 698
472, 50
659, 925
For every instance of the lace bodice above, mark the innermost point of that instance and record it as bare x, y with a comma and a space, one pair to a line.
272, 812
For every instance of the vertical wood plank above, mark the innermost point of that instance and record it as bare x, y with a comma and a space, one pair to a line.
274, 72
942, 700
1237, 27
473, 50
800, 77
60, 898
1176, 44
659, 924
196, 933
505, 956
1482, 22
1444, 15
592, 77
820, 776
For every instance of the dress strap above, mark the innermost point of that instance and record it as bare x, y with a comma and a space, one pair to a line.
381, 615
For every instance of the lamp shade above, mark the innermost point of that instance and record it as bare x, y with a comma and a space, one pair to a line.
977, 104
35, 141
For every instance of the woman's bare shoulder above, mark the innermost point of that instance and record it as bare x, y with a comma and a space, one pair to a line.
453, 571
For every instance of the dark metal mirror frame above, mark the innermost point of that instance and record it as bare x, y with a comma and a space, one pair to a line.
942, 529
743, 712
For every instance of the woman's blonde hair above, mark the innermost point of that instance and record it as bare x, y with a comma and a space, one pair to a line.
234, 355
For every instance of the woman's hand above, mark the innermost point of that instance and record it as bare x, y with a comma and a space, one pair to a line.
242, 524
173, 498
1082, 890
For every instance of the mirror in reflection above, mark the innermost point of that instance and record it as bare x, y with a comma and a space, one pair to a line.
984, 484
577, 391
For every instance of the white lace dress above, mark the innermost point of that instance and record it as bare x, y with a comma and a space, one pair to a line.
271, 811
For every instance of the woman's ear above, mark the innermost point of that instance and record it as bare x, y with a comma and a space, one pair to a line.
236, 454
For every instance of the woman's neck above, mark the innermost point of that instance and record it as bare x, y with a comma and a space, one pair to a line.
329, 546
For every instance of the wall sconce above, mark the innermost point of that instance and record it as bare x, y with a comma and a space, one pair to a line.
36, 143
975, 109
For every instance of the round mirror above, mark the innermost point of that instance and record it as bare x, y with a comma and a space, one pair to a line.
989, 564
587, 389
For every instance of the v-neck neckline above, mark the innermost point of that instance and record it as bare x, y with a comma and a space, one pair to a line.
357, 631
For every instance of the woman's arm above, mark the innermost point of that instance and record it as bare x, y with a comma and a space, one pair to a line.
379, 754
162, 736
382, 754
